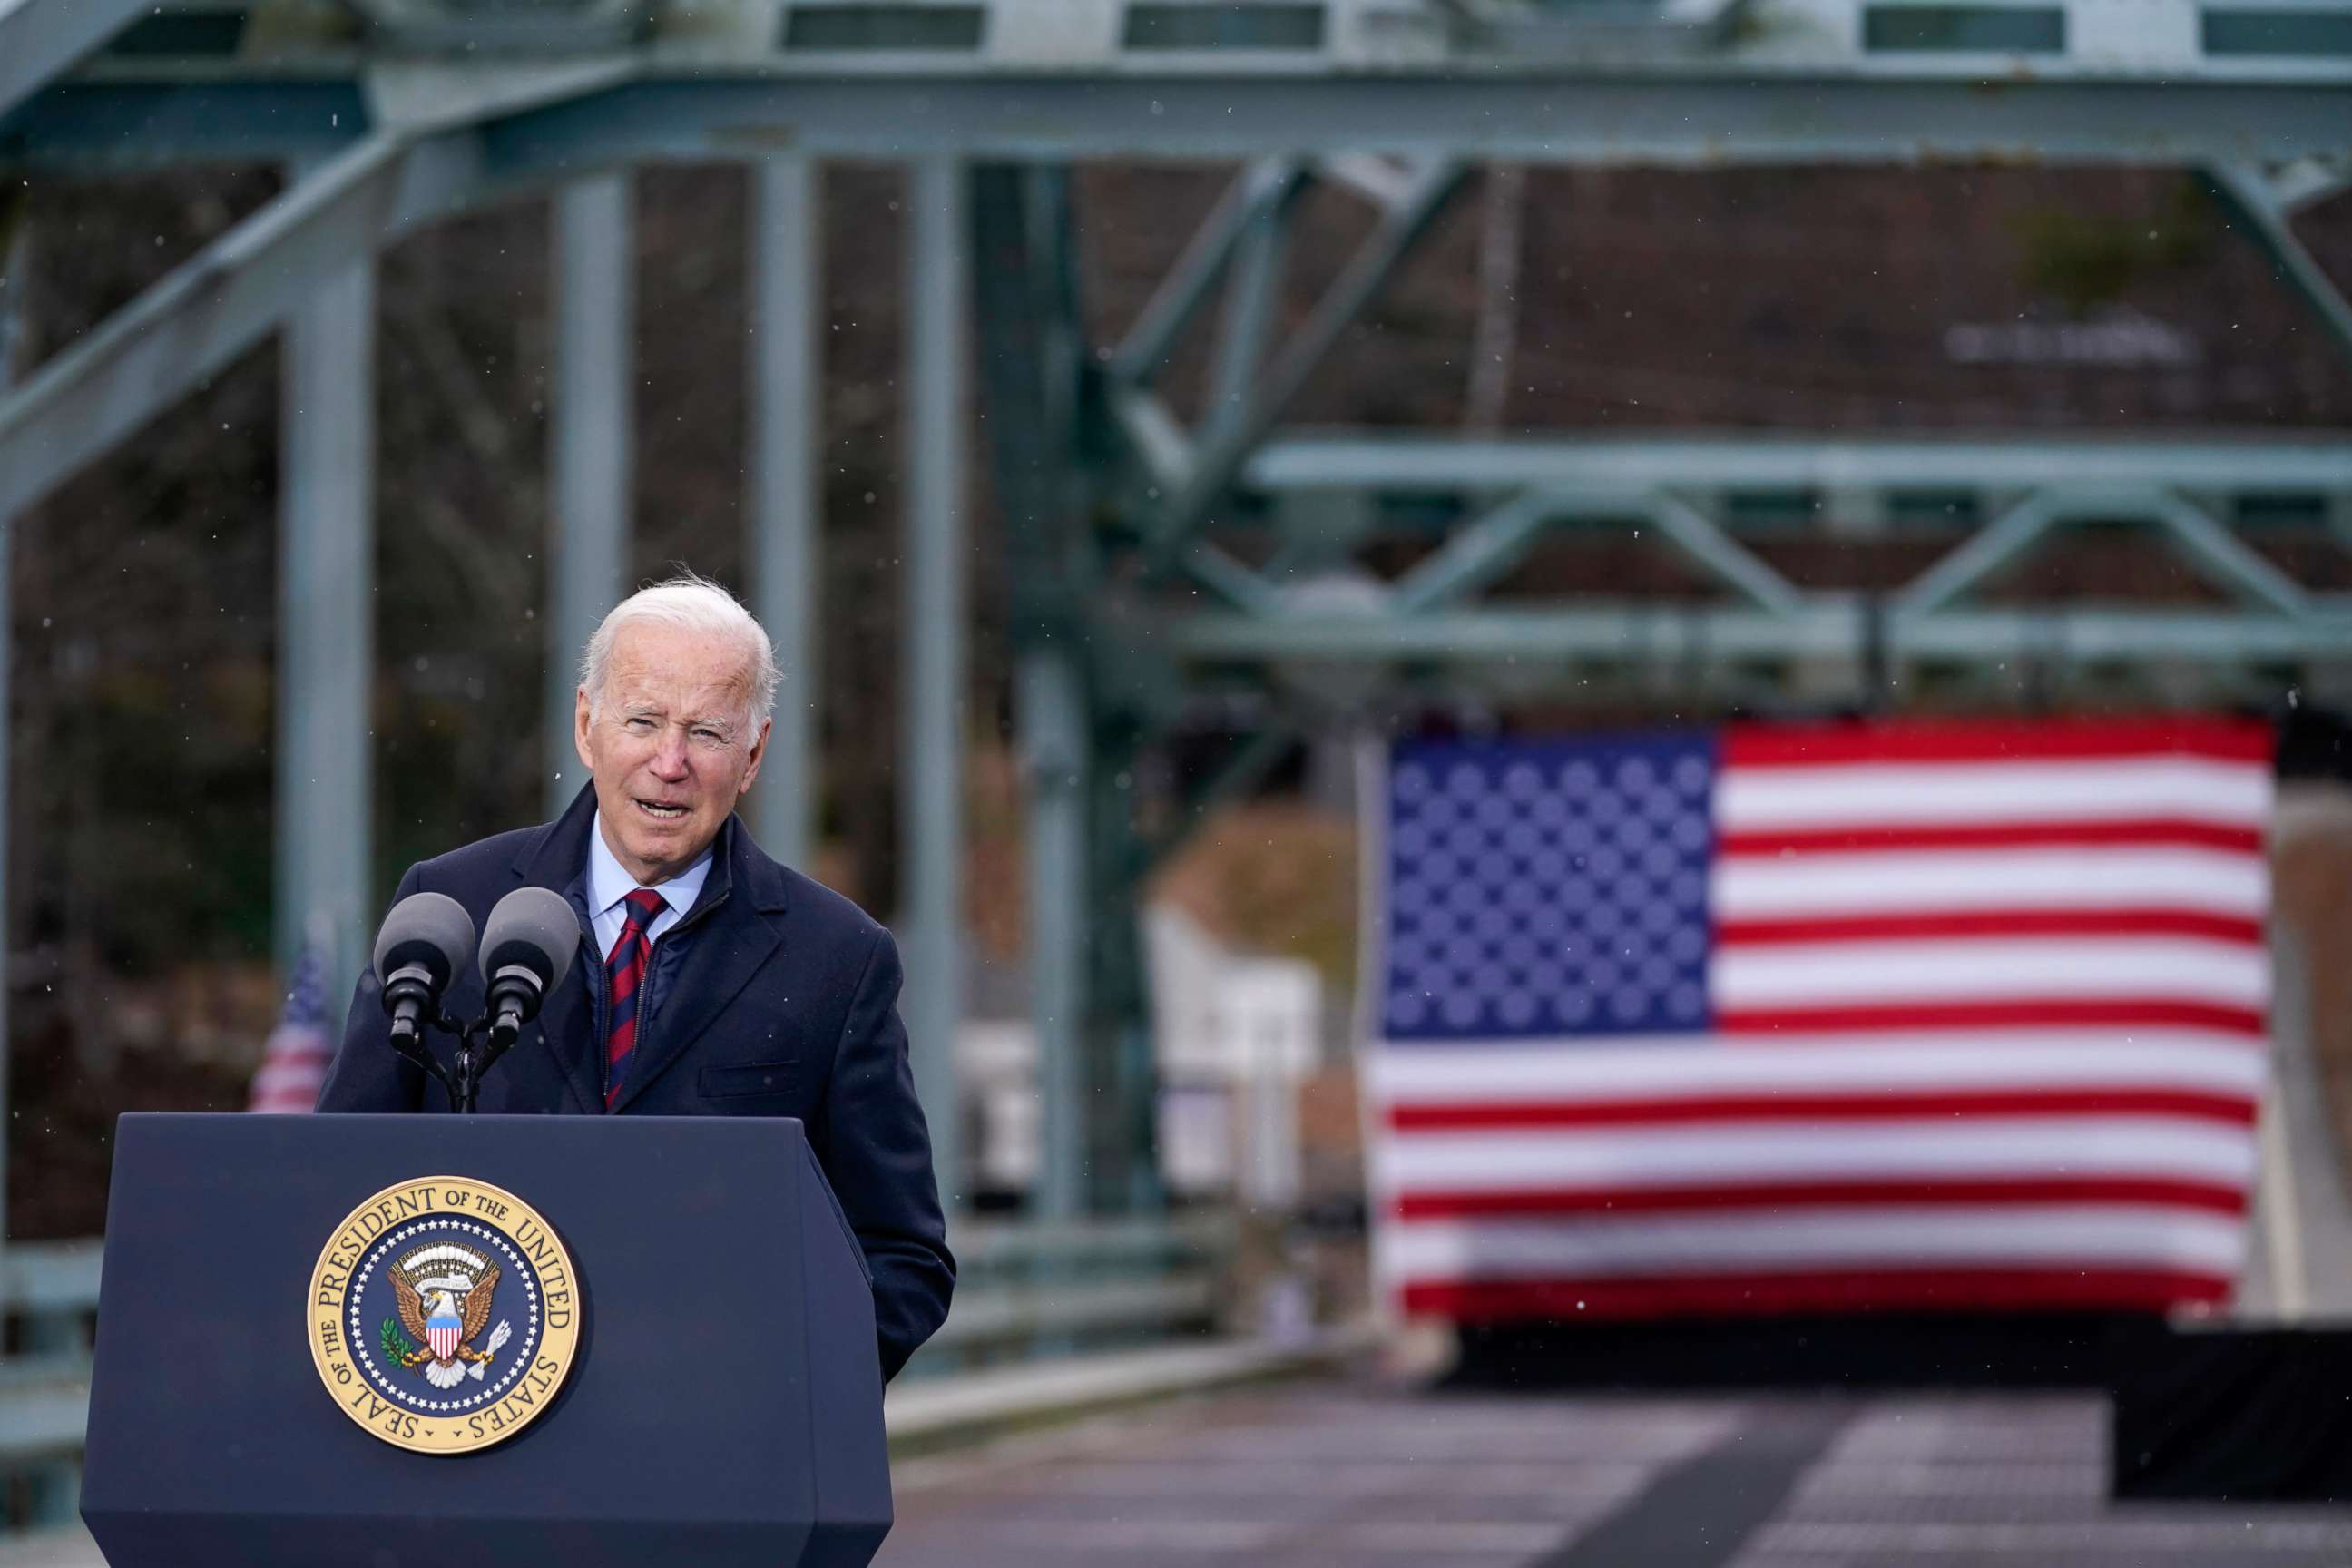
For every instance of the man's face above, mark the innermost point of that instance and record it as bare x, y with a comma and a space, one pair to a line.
670, 744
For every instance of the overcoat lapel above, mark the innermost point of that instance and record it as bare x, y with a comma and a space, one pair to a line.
554, 860
565, 1023
739, 933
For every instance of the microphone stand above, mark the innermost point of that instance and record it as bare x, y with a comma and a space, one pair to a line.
479, 1044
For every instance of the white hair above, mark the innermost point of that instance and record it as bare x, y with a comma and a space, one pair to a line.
691, 604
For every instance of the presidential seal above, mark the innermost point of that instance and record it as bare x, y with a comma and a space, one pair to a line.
444, 1315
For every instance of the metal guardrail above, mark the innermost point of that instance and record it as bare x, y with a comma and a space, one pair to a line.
47, 1277
49, 1298
1026, 1291
1002, 1315
984, 1250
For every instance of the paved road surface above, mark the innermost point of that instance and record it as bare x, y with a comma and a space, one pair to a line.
1324, 1475
1318, 1475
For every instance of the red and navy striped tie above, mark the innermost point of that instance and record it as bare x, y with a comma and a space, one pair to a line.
625, 970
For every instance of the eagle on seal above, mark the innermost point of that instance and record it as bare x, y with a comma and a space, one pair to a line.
445, 1319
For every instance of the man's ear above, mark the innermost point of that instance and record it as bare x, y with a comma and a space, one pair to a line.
581, 725
759, 755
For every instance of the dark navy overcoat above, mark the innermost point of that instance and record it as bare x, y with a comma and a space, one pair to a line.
773, 995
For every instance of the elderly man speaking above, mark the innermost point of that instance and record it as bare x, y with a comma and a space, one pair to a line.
720, 983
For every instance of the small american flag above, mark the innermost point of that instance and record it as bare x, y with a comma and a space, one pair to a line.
294, 1060
1819, 1018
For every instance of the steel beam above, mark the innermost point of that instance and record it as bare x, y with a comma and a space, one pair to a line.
2224, 558
1257, 190
1693, 113
326, 618
1230, 434
1056, 758
594, 425
2252, 204
2218, 555
84, 127
40, 40
1238, 584
1699, 118
1315, 529
1619, 630
787, 486
932, 674
244, 285
1985, 552
1252, 292
1476, 555
1383, 182
2254, 461
16, 273
1722, 557
1076, 742
1491, 546
1035, 362
1123, 1169
1156, 438
2308, 181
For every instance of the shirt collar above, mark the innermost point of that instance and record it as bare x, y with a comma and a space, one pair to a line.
608, 884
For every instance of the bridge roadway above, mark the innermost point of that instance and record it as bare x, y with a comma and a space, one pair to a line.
1330, 1473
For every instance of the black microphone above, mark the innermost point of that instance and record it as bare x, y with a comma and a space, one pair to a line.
527, 949
424, 943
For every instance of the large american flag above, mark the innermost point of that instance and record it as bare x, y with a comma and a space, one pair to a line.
1819, 1018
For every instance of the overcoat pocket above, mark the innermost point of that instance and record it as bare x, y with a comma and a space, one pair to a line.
751, 1078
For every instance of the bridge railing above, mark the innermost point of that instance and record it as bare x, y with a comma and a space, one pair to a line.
1024, 1291
1027, 1290
49, 1298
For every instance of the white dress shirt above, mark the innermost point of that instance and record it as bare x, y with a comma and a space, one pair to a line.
608, 885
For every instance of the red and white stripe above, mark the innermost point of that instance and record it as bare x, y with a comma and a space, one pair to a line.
1990, 1006
293, 1069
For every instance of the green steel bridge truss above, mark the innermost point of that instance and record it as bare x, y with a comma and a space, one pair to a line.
1293, 582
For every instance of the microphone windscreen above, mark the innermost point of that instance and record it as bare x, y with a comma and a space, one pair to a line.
533, 927
431, 929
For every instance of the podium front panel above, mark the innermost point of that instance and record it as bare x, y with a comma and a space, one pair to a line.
713, 1273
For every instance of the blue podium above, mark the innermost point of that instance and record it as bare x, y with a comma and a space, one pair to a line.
510, 1340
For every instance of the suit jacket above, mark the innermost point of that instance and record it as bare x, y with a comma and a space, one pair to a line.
771, 996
